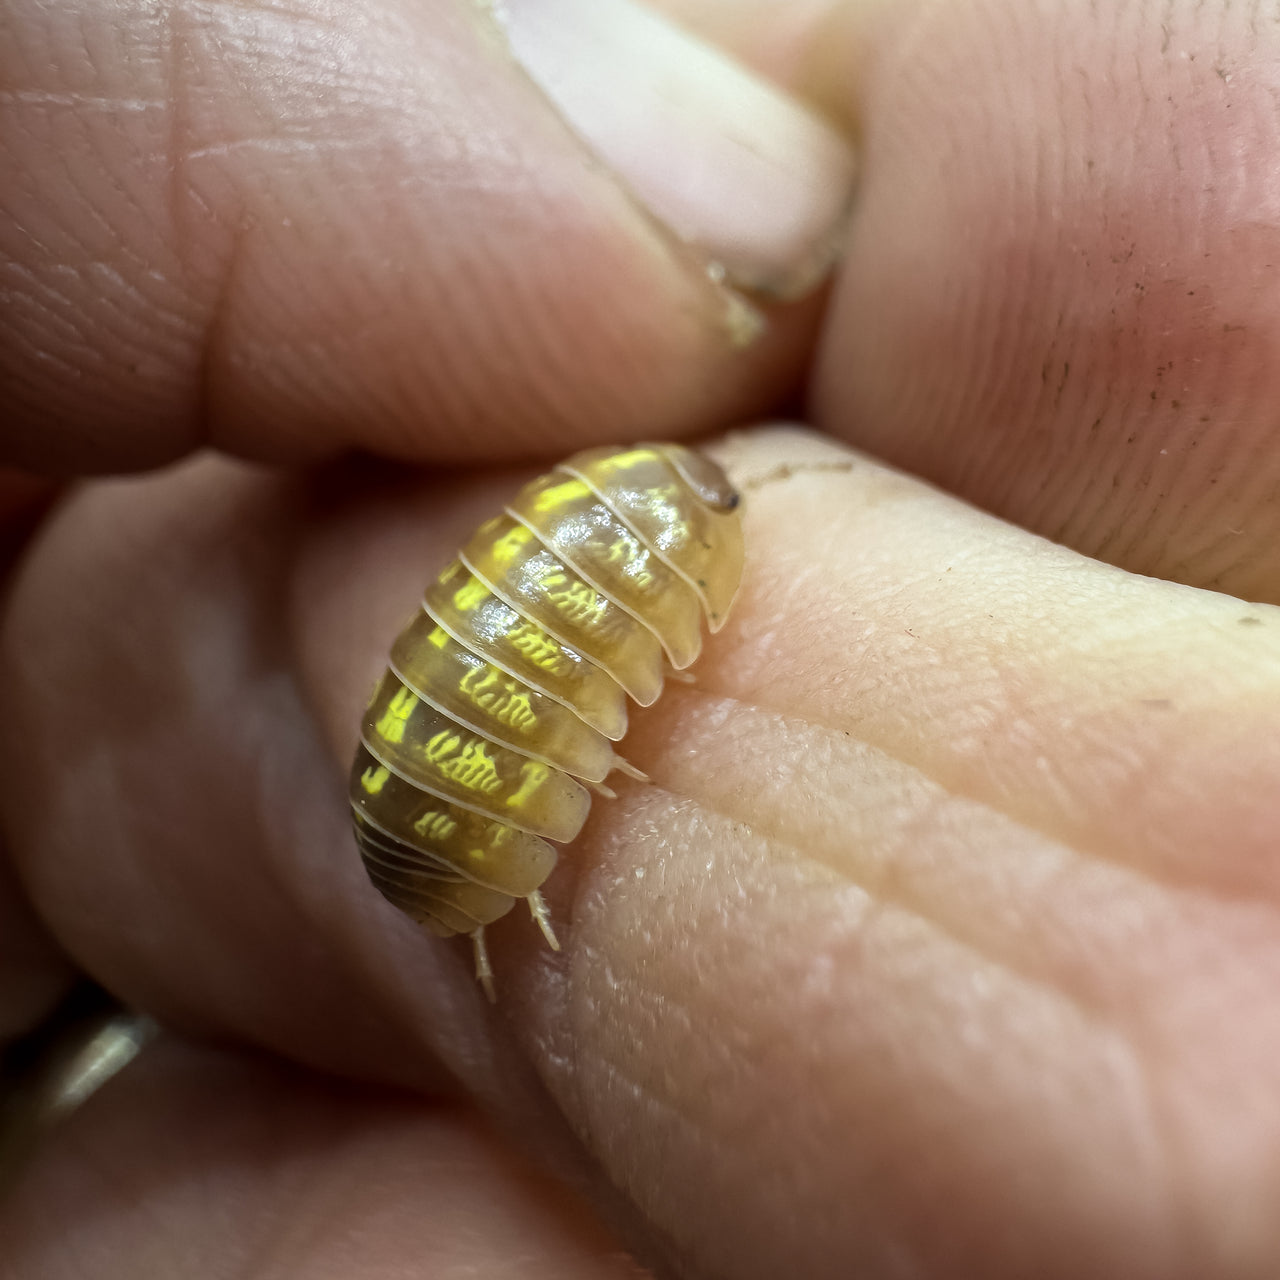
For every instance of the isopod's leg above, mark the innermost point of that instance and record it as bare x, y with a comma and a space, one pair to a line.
625, 766
600, 789
681, 677
484, 970
538, 910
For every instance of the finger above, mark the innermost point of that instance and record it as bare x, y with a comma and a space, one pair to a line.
191, 868
943, 857
1059, 300
289, 230
943, 940
199, 1164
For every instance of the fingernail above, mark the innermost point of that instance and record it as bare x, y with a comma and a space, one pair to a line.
727, 162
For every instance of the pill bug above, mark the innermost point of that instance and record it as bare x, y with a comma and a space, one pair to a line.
506, 691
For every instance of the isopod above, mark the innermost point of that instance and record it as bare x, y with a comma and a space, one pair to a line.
505, 693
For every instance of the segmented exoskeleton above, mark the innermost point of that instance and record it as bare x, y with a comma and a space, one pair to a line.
505, 693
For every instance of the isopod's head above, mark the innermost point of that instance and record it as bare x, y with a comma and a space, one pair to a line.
706, 478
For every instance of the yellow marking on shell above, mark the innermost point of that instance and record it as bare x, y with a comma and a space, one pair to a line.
515, 862
374, 778
628, 553
468, 764
665, 503
439, 637
561, 495
392, 721
681, 506
511, 544
471, 595
435, 826
492, 691
544, 652
629, 457
514, 711
449, 760
598, 545
616, 642
578, 601
532, 776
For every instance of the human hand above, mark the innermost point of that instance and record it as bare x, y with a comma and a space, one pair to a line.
944, 941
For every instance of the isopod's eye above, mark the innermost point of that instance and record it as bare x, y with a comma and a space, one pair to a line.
704, 477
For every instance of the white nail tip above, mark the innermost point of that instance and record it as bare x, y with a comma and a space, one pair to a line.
726, 161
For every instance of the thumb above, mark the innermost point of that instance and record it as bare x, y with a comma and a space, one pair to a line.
292, 230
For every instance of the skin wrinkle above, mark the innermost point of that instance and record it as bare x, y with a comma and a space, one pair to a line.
1125, 190
886, 890
236, 10
953, 787
269, 144
532, 346
121, 292
49, 98
216, 641
638, 1182
566, 1003
694, 1121
504, 325
728, 1052
189, 213
59, 318
278, 1242
135, 306
1189, 220
51, 317
629, 1174
1046, 179
1104, 639
892, 840
90, 211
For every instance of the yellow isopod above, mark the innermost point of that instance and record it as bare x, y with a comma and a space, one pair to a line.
505, 693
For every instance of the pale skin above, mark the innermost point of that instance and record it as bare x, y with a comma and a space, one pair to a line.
945, 941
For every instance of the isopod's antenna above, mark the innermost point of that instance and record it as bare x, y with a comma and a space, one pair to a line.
484, 970
538, 910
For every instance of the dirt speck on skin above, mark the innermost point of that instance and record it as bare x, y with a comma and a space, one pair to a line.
1250, 621
786, 470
